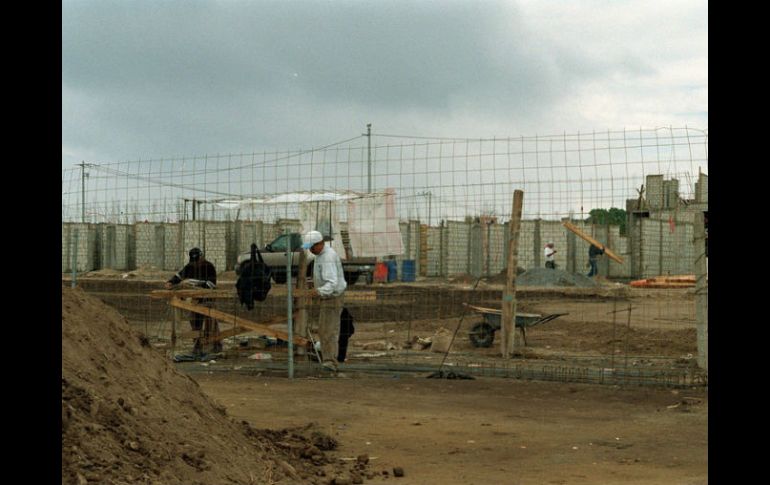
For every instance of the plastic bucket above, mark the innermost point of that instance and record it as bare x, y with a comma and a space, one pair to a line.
380, 272
392, 270
408, 270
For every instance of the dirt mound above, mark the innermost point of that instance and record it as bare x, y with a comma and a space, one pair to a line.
553, 277
129, 417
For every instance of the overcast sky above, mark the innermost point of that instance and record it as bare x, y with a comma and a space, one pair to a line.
159, 79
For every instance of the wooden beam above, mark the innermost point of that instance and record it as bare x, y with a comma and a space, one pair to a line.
593, 241
237, 321
230, 332
162, 294
508, 318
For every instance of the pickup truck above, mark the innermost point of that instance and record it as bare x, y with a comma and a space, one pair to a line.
274, 255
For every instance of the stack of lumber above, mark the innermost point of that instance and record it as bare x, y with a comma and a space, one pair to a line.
669, 281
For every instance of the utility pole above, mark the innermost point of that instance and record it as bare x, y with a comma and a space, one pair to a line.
430, 196
82, 191
369, 156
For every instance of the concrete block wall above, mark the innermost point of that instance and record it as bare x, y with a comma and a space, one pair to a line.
215, 244
174, 256
671, 193
434, 251
667, 248
65, 247
702, 189
620, 246
147, 245
452, 248
231, 240
651, 248
457, 239
86, 247
114, 246
496, 260
653, 190
677, 253
475, 249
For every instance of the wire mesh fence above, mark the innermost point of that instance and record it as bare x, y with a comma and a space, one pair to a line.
423, 227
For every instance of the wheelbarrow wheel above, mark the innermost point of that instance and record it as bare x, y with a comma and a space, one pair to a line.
482, 335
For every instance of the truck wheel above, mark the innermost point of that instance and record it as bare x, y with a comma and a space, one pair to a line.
482, 335
279, 278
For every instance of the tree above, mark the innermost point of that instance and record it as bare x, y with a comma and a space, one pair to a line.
613, 216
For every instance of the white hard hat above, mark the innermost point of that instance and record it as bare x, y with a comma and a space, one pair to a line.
311, 238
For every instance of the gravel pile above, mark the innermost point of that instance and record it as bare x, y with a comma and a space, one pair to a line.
553, 277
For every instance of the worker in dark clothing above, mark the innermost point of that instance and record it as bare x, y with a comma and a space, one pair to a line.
346, 331
593, 257
204, 275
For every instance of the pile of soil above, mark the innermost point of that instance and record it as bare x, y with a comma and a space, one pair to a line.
129, 417
553, 277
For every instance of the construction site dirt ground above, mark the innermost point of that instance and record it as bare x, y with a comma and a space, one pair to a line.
482, 431
487, 430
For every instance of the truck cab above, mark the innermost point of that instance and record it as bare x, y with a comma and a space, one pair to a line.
274, 255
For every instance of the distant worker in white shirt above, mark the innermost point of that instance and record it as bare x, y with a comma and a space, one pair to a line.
549, 258
329, 284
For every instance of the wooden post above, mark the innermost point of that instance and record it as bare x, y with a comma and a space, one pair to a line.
701, 292
508, 326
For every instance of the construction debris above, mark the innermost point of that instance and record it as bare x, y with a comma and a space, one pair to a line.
675, 281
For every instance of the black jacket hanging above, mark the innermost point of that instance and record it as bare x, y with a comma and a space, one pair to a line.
254, 279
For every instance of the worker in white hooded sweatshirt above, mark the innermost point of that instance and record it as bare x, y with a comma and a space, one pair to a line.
329, 285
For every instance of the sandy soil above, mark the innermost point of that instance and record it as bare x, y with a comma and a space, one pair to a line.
131, 416
128, 416
488, 430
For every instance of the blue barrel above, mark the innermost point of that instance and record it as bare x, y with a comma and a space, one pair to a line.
407, 270
392, 270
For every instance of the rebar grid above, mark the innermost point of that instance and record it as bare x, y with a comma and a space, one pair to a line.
127, 226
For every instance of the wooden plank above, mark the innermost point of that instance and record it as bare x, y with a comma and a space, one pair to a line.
593, 241
237, 321
508, 319
163, 294
223, 334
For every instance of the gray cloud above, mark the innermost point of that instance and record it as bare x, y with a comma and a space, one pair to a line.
152, 79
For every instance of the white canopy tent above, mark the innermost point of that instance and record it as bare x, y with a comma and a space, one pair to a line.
372, 221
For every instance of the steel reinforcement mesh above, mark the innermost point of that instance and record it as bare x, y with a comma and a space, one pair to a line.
443, 208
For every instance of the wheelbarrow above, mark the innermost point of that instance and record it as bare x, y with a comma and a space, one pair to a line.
483, 334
